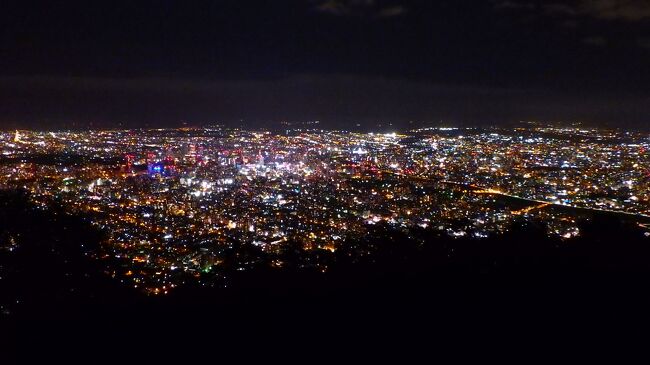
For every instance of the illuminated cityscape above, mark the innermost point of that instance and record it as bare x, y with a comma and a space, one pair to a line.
179, 205
299, 177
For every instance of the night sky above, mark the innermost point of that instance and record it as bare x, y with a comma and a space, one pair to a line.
256, 63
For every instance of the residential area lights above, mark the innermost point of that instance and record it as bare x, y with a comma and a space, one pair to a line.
173, 201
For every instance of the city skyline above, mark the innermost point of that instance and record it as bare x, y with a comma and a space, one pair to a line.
174, 205
340, 172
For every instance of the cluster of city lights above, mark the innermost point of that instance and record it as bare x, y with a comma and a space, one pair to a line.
174, 202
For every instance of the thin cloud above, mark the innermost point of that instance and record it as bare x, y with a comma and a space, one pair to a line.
581, 15
513, 4
359, 8
334, 7
391, 12
618, 10
563, 9
626, 10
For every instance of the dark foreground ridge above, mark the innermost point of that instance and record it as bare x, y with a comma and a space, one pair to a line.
47, 274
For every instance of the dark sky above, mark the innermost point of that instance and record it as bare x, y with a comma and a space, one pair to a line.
159, 63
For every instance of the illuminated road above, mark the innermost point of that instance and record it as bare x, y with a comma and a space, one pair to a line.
498, 192
530, 209
484, 190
